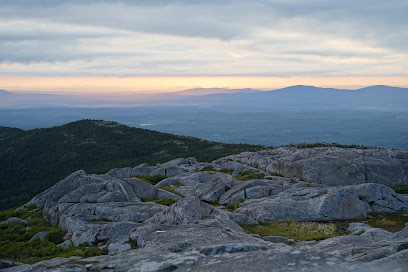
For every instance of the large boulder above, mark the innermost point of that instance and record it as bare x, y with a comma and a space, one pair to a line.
143, 189
213, 188
253, 189
186, 211
368, 245
95, 222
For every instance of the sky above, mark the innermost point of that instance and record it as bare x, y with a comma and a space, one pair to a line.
158, 45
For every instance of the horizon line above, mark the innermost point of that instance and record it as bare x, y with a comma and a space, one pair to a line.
157, 85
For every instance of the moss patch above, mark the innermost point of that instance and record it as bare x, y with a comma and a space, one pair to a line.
305, 231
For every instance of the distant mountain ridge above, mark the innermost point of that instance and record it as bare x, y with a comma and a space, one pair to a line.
299, 96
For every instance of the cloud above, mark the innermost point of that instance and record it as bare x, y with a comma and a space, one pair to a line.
180, 38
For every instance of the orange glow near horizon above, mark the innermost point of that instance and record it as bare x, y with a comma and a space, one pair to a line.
168, 84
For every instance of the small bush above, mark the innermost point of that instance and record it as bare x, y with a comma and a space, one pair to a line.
400, 189
234, 205
55, 235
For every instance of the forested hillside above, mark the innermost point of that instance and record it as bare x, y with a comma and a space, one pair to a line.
31, 161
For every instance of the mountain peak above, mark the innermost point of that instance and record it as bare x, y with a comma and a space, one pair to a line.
380, 87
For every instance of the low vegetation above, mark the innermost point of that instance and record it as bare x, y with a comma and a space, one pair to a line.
248, 175
15, 244
305, 231
400, 189
389, 221
234, 205
171, 188
210, 169
214, 204
151, 179
275, 174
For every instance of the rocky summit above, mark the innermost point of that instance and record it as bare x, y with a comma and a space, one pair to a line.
121, 211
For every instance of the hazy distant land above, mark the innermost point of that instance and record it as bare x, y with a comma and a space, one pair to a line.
374, 116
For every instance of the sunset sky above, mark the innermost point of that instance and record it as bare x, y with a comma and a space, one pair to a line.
158, 45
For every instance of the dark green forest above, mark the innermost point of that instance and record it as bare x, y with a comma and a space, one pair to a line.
32, 161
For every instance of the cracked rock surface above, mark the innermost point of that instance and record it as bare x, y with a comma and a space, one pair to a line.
317, 184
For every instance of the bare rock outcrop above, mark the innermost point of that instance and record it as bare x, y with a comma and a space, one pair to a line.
329, 165
197, 233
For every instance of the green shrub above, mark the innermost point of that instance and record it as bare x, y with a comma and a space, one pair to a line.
234, 205
400, 189
151, 179
31, 207
55, 235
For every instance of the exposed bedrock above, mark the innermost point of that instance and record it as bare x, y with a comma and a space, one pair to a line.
198, 233
329, 203
329, 165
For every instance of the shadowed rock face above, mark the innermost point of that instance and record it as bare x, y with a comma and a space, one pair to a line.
191, 235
